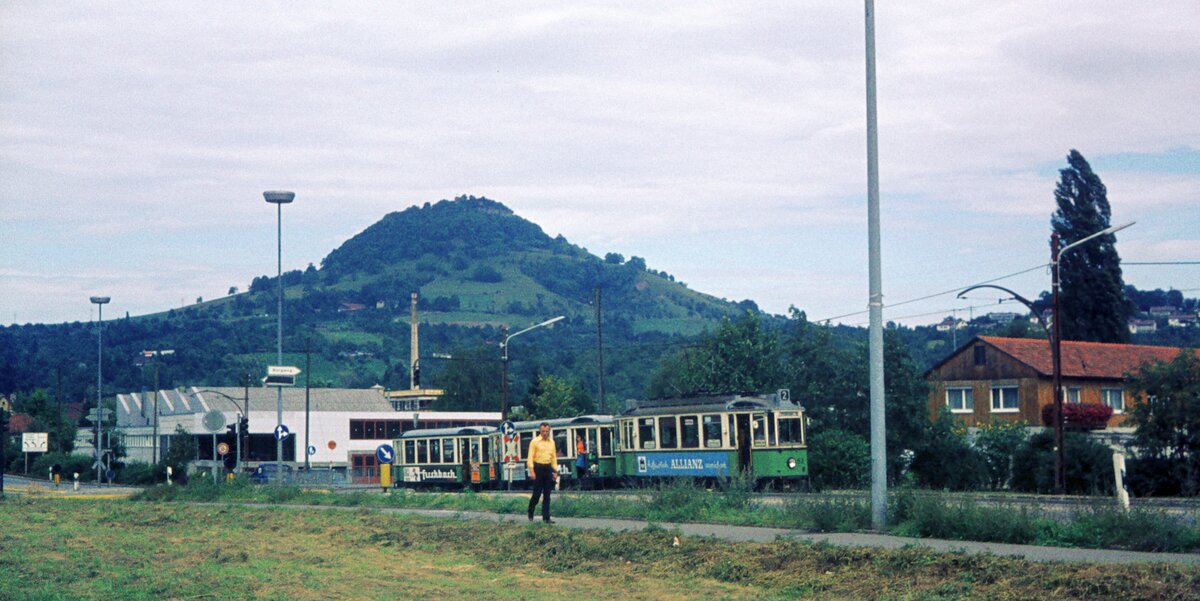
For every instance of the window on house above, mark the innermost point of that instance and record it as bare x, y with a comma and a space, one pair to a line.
980, 354
960, 400
1074, 394
1113, 397
1004, 399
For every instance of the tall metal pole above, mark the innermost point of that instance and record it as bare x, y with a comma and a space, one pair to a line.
279, 199
100, 301
504, 373
154, 445
1060, 480
307, 382
599, 355
878, 426
279, 339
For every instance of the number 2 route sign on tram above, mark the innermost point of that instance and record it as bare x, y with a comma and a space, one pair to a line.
282, 432
385, 453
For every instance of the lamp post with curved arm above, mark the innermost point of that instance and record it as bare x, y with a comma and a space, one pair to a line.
1055, 335
237, 432
504, 362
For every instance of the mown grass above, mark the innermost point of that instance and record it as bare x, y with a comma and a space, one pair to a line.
69, 549
918, 515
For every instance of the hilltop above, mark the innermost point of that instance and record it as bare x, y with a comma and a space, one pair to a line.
476, 266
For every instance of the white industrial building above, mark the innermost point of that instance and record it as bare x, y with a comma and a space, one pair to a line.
344, 426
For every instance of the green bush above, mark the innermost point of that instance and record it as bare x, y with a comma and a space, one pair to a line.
141, 474
998, 443
838, 459
944, 459
70, 463
1088, 465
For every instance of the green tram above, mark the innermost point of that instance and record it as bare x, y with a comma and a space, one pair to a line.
446, 458
713, 437
595, 431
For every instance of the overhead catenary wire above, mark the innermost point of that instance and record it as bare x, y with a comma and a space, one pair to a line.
937, 294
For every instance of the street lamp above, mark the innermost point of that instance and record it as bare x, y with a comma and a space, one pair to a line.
237, 430
1054, 333
504, 362
99, 301
1056, 253
279, 198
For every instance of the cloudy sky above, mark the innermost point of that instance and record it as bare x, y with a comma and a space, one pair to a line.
722, 142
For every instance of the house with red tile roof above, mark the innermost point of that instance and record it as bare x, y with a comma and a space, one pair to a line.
1012, 379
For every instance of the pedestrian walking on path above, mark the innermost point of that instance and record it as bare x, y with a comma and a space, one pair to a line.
543, 466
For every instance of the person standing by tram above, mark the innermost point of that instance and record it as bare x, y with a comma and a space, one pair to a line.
543, 466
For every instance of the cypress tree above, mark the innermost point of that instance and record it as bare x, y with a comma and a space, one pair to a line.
1092, 300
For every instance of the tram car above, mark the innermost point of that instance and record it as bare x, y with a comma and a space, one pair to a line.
446, 458
591, 432
713, 437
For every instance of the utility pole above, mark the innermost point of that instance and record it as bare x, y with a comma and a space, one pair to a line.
1060, 480
599, 356
875, 303
157, 354
504, 373
307, 382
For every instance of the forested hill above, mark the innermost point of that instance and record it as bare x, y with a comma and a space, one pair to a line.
476, 266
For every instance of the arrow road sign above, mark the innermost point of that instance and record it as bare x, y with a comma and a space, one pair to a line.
508, 428
385, 453
282, 370
312, 450
35, 442
282, 432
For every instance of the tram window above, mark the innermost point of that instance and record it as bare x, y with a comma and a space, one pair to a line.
606, 441
759, 428
448, 450
790, 431
422, 451
732, 430
712, 431
646, 432
560, 443
410, 451
487, 450
526, 438
771, 430
474, 449
667, 435
435, 451
689, 430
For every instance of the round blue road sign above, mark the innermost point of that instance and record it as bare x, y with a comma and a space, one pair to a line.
281, 432
385, 453
312, 450
508, 428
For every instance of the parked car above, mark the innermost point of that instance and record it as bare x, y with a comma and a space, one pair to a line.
268, 472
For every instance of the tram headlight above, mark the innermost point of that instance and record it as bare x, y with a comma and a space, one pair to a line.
791, 462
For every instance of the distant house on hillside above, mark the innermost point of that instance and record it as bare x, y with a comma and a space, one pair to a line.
1142, 326
1163, 311
1182, 320
1012, 379
951, 323
350, 307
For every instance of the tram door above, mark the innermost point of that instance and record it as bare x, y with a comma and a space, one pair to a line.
743, 441
464, 455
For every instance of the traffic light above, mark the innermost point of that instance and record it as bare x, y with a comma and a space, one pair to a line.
244, 426
231, 430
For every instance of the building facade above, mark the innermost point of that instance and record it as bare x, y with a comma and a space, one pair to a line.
1011, 379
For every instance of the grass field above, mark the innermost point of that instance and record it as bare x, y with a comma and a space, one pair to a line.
71, 549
